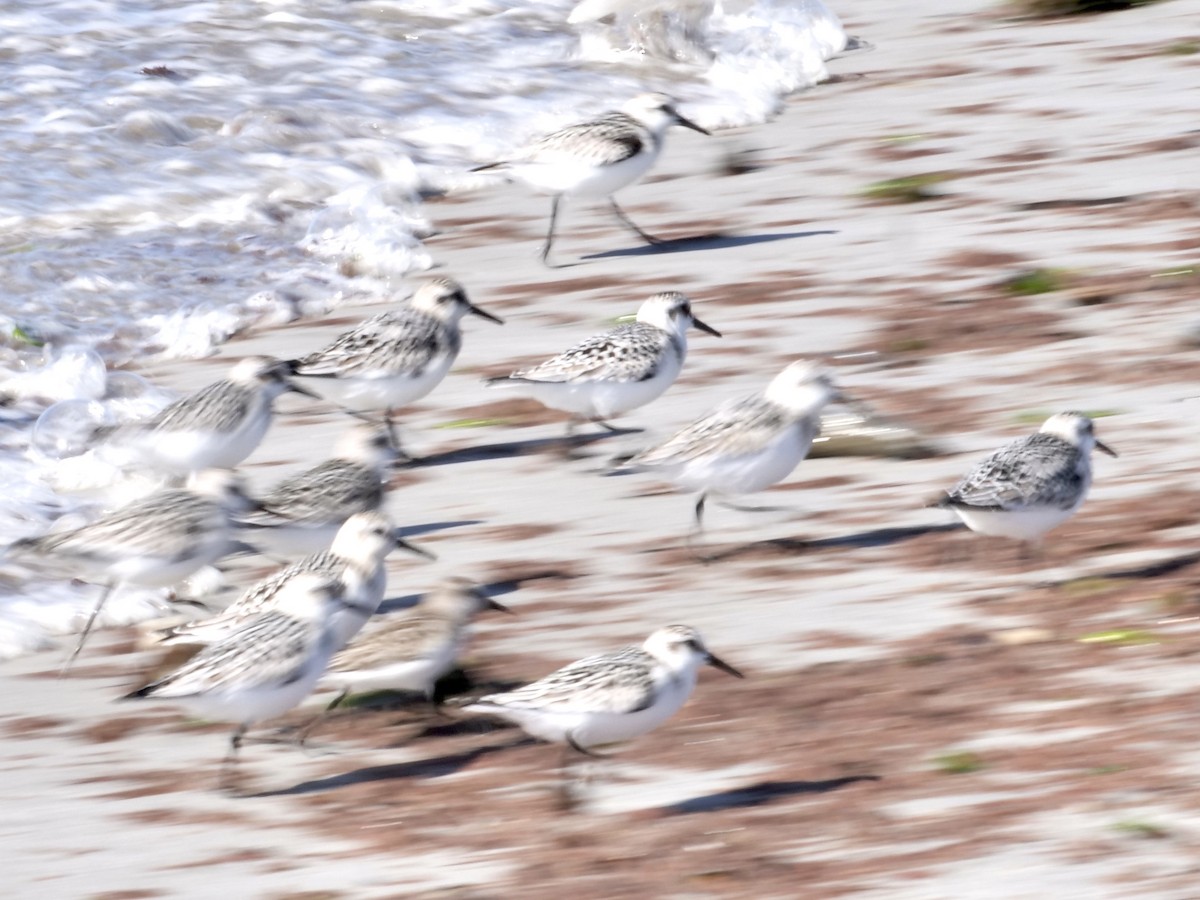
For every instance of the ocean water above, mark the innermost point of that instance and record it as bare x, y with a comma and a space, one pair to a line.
179, 172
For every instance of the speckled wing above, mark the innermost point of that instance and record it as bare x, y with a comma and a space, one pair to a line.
628, 353
1039, 470
332, 491
261, 595
621, 682
272, 649
735, 428
602, 142
221, 406
165, 526
395, 639
402, 342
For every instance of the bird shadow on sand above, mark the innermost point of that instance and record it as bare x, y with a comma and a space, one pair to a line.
712, 241
492, 589
758, 794
875, 537
510, 449
434, 767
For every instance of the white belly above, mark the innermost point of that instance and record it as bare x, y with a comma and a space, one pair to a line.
1022, 525
563, 173
381, 390
746, 473
603, 399
191, 451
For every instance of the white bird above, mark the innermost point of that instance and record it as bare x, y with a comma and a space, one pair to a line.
264, 667
303, 513
597, 158
408, 651
156, 541
746, 445
610, 698
1031, 485
355, 559
216, 427
619, 370
395, 358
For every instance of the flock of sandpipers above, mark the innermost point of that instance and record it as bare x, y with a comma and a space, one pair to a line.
299, 629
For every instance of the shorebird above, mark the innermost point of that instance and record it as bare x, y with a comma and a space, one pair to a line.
303, 513
157, 541
216, 427
262, 668
394, 358
608, 699
355, 559
619, 370
408, 651
745, 445
1030, 485
596, 158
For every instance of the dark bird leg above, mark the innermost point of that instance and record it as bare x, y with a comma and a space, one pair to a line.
87, 628
402, 455
550, 234
321, 717
697, 531
629, 223
225, 781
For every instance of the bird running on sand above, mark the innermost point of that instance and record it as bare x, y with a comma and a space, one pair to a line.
157, 541
216, 427
355, 559
261, 669
746, 445
620, 370
597, 158
303, 513
395, 358
1031, 485
408, 651
610, 698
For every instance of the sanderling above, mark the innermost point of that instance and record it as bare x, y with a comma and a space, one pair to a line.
408, 651
264, 667
303, 513
609, 698
155, 542
746, 445
597, 158
619, 370
394, 358
1031, 485
215, 428
355, 558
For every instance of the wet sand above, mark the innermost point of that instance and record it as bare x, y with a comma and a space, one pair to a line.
926, 714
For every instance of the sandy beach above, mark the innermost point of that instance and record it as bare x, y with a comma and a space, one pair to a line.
926, 714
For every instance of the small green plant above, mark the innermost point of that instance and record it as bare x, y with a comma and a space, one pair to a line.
959, 762
1036, 281
1121, 637
909, 189
1182, 48
1138, 828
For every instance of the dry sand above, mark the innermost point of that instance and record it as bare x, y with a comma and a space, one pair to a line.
925, 715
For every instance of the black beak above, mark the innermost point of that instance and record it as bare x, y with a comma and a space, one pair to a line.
492, 604
687, 123
402, 544
484, 314
707, 329
1104, 448
723, 666
300, 389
